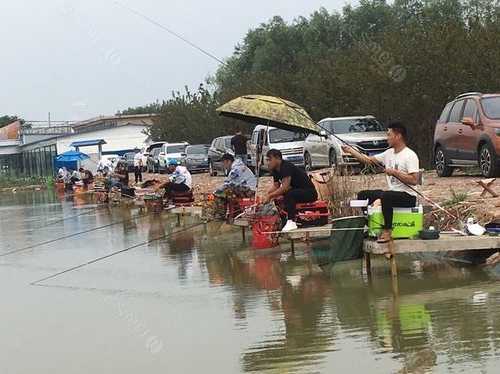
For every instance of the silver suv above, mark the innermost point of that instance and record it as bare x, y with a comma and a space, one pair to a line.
364, 133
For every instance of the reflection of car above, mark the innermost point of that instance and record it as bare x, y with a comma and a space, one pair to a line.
291, 145
197, 157
128, 158
146, 151
109, 161
171, 151
153, 164
217, 149
366, 134
468, 133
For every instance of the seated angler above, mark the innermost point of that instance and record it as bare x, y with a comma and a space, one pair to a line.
290, 182
240, 181
87, 177
120, 177
180, 180
402, 170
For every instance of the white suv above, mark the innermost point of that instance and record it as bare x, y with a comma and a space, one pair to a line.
365, 133
171, 151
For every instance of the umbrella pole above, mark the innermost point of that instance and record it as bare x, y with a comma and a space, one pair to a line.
258, 154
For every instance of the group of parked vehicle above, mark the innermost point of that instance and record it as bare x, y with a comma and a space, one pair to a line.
306, 150
155, 157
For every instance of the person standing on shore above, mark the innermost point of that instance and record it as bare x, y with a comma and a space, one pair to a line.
138, 167
239, 145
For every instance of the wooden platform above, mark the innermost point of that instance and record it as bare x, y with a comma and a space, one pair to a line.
444, 244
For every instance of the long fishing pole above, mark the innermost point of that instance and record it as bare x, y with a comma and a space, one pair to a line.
35, 283
223, 63
71, 235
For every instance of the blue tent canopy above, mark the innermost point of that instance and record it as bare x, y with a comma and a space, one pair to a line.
69, 160
72, 156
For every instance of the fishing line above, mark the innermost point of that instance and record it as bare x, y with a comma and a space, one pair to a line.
90, 211
71, 235
164, 236
220, 61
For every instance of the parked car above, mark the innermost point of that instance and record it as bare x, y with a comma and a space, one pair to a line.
197, 157
217, 149
153, 163
146, 151
364, 133
290, 143
171, 151
467, 134
128, 158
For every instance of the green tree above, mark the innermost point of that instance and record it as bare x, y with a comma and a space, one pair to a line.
6, 120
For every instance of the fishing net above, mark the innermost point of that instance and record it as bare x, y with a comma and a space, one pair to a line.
344, 245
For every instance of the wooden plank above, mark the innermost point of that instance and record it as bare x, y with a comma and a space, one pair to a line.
444, 244
188, 210
240, 222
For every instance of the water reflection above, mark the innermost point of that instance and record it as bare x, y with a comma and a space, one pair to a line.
441, 310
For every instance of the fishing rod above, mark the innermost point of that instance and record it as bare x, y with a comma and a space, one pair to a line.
164, 236
71, 235
223, 63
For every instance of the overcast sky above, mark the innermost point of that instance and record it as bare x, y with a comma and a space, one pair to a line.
82, 58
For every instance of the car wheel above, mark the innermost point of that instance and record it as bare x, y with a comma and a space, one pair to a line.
441, 163
488, 161
332, 158
308, 162
211, 169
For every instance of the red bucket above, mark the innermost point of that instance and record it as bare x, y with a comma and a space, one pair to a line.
261, 228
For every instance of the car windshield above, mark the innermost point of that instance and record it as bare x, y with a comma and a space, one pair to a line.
285, 136
197, 150
176, 149
353, 125
491, 107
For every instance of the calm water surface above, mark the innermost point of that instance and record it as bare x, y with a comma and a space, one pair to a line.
200, 301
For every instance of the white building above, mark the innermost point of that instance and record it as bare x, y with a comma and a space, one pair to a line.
114, 134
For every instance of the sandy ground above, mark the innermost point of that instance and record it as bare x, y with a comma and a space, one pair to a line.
440, 189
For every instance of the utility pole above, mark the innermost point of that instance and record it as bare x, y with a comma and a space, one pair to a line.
49, 119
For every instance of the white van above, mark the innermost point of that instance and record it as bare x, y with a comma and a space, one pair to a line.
290, 143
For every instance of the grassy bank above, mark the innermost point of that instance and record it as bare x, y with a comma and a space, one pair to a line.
7, 182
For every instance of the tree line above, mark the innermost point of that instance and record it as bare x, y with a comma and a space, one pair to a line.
401, 60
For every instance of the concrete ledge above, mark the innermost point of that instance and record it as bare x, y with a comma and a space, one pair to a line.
444, 244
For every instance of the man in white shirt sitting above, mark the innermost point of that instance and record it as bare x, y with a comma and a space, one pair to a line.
402, 170
180, 179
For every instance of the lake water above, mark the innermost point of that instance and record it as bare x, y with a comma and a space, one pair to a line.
201, 301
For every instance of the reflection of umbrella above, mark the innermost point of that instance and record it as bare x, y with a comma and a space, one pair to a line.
72, 156
269, 110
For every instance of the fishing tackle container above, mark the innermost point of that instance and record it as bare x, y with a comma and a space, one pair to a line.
406, 223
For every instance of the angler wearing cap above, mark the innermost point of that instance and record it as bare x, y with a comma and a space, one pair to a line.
240, 179
240, 183
402, 170
180, 179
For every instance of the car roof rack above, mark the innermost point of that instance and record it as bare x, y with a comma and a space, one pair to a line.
468, 94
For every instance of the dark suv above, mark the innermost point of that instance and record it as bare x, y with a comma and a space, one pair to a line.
468, 134
217, 149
